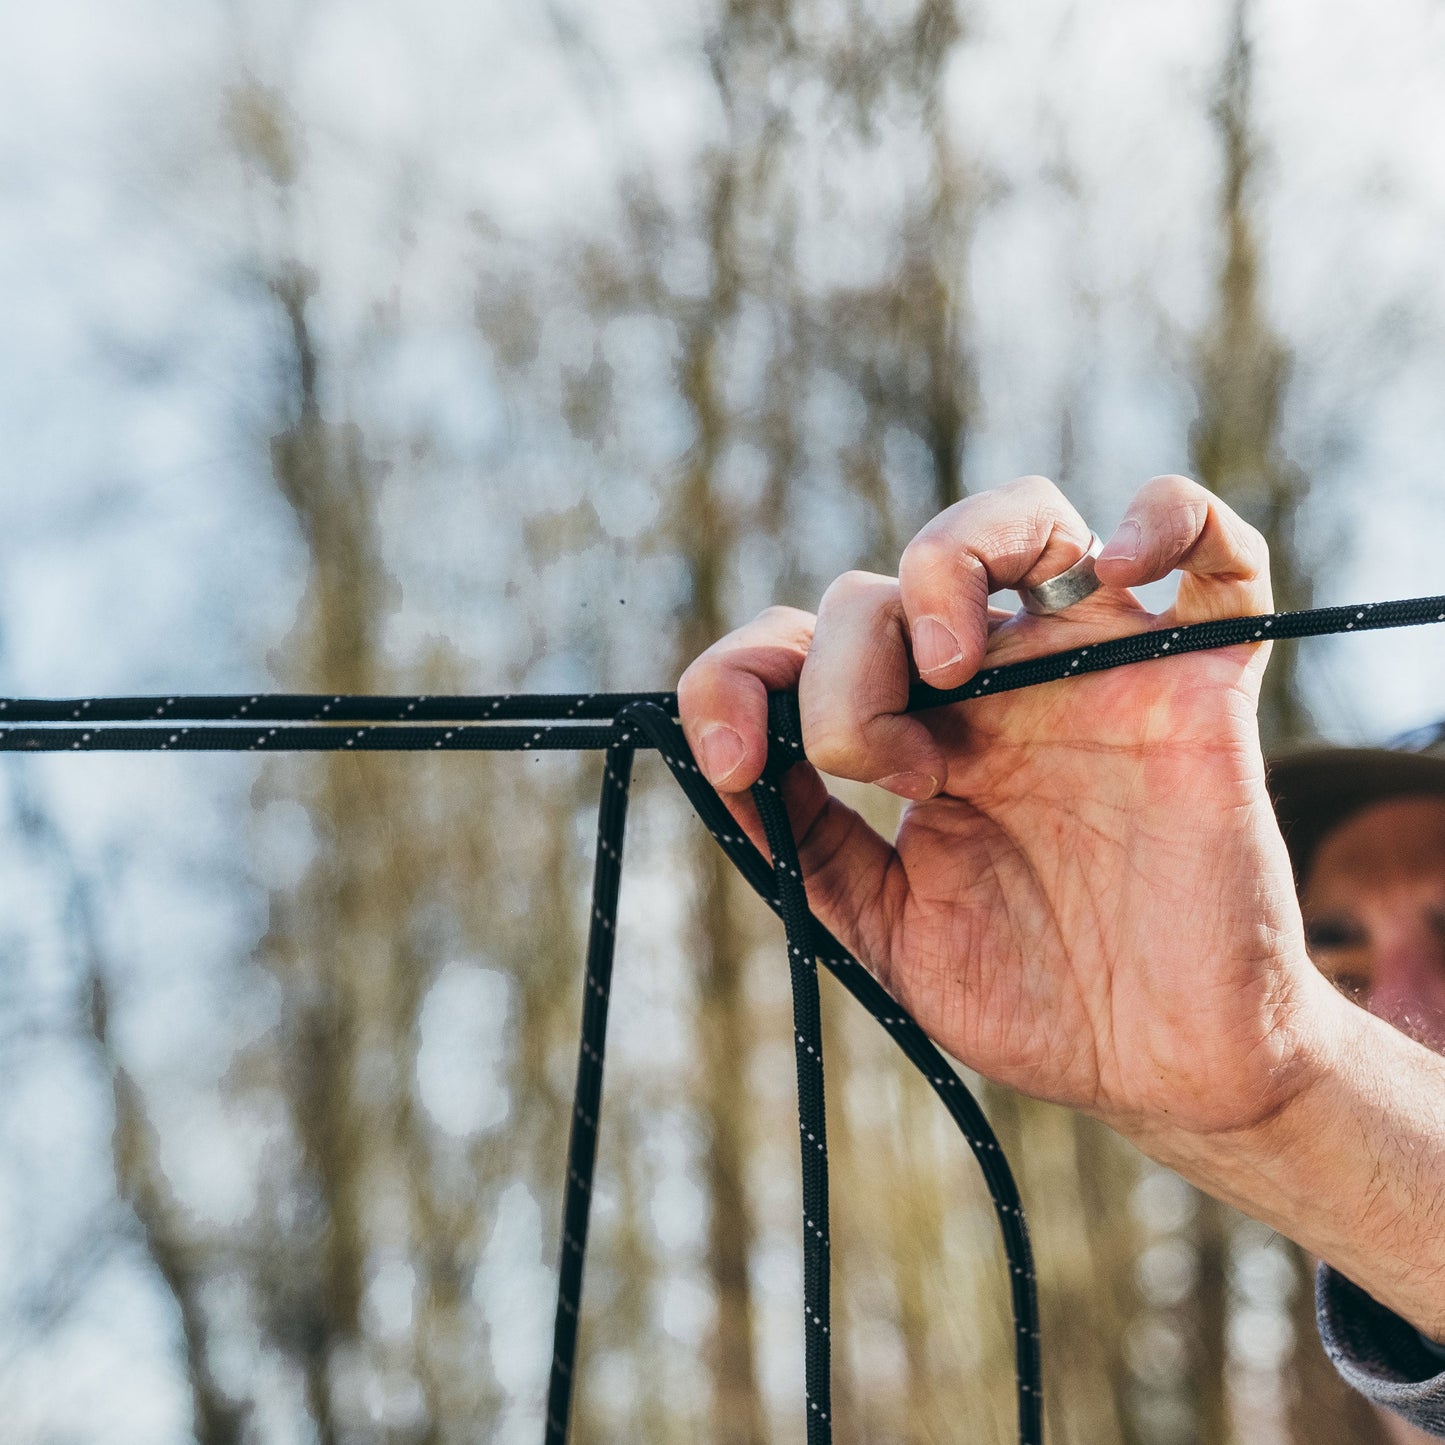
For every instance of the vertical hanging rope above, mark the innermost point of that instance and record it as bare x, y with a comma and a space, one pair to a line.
587, 1098
812, 1115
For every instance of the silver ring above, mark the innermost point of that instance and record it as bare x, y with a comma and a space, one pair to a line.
1069, 587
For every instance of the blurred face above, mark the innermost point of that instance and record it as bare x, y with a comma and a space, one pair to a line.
1374, 908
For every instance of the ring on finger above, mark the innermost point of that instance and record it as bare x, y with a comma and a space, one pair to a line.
1071, 585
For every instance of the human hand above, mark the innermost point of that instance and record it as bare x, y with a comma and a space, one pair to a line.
1088, 897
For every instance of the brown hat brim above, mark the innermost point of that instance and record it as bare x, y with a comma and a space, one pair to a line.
1317, 788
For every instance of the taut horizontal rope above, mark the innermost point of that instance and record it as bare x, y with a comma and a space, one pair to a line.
331, 708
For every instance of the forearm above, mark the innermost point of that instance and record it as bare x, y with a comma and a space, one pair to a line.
1351, 1167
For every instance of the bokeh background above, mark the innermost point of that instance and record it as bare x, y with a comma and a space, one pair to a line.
479, 345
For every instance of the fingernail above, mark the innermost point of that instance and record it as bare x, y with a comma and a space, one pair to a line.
934, 646
914, 786
1124, 544
722, 750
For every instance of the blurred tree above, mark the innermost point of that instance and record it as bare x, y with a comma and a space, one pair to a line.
749, 368
1241, 381
1242, 371
898, 347
182, 1261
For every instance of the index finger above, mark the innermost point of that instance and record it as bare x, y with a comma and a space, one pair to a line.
1016, 535
722, 698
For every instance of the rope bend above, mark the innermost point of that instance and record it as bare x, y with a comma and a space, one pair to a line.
780, 886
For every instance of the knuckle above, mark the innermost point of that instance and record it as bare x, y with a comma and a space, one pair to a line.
918, 555
1175, 481
1252, 546
835, 747
695, 683
703, 675
1041, 503
1175, 509
788, 627
781, 619
1176, 484
1033, 485
1043, 512
1185, 518
932, 552
849, 588
1172, 490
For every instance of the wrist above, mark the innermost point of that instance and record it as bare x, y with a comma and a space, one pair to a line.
1268, 1098
1348, 1160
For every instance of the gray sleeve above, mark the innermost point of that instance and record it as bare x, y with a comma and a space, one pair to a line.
1388, 1361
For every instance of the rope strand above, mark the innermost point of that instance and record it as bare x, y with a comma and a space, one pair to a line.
587, 1095
812, 1116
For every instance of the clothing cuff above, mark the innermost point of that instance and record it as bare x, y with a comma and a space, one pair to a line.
1379, 1354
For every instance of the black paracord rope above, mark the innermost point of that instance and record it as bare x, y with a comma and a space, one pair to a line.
587, 1096
784, 728
628, 721
562, 714
812, 1116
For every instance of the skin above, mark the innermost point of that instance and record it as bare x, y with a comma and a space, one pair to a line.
1374, 909
1088, 897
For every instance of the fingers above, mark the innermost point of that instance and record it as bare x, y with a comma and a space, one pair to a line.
851, 665
1175, 523
1018, 534
722, 702
853, 695
722, 698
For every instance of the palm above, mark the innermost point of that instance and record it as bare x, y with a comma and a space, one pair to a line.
1085, 891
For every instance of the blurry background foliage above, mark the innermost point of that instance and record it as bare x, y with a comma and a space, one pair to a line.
481, 346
